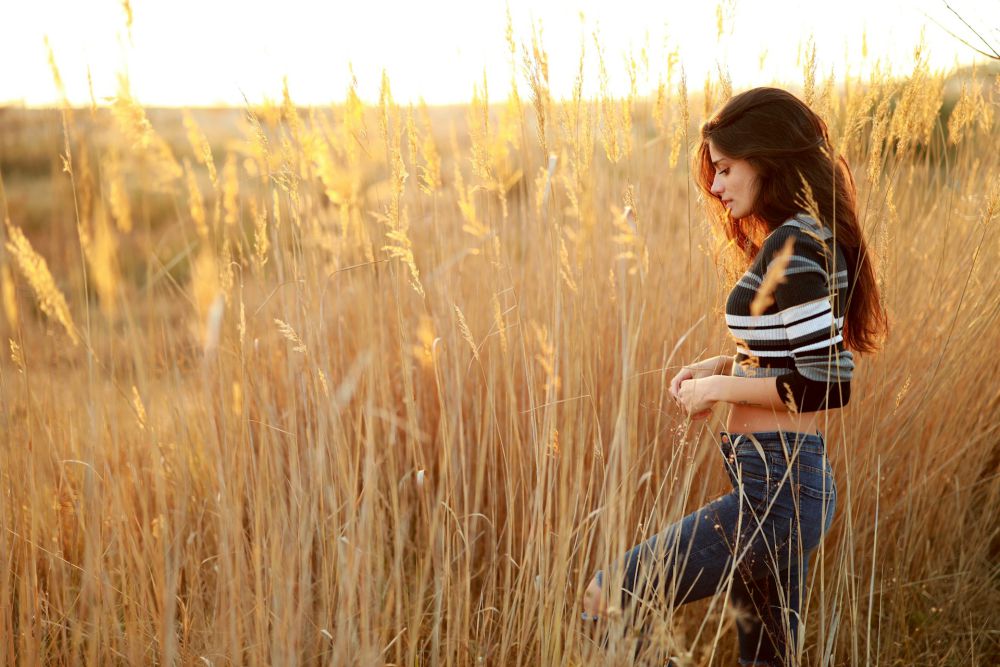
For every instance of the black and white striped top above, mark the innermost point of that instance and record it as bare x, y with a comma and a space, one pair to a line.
799, 337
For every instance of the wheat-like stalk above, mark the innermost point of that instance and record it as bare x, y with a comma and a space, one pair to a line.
500, 323
876, 152
16, 355
463, 326
536, 70
402, 248
289, 334
140, 408
35, 270
809, 73
199, 144
430, 170
546, 356
789, 398
775, 276
118, 197
610, 117
9, 296
196, 202
261, 243
230, 192
132, 121
101, 251
56, 75
565, 268
478, 119
467, 206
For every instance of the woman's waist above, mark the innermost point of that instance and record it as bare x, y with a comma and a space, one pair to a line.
781, 442
746, 419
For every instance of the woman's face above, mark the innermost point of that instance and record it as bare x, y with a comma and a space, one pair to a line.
735, 183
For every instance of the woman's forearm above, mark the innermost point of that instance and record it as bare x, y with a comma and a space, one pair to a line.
751, 392
724, 365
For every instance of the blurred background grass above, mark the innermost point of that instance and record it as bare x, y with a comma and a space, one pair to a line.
385, 385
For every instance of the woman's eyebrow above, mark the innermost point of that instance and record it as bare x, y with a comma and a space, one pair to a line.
715, 163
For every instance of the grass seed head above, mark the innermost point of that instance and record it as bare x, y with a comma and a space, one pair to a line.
35, 270
775, 276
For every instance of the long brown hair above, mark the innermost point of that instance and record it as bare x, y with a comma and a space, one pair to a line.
787, 145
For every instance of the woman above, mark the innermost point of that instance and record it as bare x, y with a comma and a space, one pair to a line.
806, 299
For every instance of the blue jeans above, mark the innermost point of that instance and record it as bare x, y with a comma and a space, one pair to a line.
758, 537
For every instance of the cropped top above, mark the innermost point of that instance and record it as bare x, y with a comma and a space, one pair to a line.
798, 338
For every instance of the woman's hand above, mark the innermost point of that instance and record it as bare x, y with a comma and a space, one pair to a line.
685, 373
695, 397
697, 370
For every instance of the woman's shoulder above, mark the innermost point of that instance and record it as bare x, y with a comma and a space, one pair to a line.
810, 237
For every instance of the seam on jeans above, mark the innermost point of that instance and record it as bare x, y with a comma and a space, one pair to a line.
753, 475
671, 551
773, 442
799, 470
803, 467
818, 493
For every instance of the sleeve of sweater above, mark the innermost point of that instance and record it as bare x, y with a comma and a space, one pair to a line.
807, 303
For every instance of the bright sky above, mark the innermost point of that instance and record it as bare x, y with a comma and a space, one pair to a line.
207, 52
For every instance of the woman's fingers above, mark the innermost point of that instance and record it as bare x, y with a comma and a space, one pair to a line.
675, 383
686, 400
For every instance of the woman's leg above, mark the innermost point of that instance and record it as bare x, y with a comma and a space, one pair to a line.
767, 615
802, 498
766, 527
687, 561
750, 598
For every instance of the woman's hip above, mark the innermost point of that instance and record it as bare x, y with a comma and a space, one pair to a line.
783, 478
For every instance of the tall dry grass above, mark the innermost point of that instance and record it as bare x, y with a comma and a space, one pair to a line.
366, 386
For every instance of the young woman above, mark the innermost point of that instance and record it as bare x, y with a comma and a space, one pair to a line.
806, 299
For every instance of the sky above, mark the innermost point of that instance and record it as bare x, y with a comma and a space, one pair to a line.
215, 52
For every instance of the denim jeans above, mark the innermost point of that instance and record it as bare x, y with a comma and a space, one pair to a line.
755, 541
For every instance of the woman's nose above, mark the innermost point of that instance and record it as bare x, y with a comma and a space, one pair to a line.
716, 186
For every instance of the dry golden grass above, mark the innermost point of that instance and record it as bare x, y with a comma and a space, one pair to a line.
332, 406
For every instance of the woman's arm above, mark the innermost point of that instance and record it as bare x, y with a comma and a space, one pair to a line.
682, 386
724, 364
697, 396
751, 392
720, 365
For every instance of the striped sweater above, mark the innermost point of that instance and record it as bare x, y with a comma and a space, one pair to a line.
798, 338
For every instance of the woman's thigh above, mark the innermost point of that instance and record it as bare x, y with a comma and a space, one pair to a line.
788, 500
686, 561
754, 528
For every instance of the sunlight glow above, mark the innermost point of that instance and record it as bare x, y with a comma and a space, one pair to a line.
189, 52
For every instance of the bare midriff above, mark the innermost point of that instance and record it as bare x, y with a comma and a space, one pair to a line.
745, 419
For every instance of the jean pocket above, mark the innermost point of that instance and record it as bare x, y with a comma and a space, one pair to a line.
808, 471
754, 468
816, 485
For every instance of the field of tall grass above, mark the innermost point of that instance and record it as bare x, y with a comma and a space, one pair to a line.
384, 385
